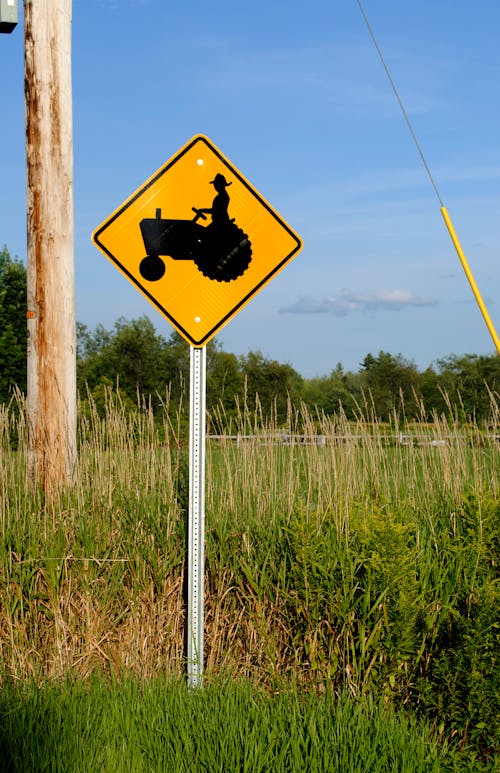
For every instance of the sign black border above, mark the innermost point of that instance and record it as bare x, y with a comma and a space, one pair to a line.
202, 341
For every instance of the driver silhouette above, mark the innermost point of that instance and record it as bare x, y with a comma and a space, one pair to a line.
218, 210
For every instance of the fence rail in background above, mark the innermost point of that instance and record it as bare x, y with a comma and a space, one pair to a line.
404, 439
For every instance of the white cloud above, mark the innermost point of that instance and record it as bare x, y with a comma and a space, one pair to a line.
347, 302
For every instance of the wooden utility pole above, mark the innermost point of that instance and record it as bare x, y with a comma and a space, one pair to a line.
50, 258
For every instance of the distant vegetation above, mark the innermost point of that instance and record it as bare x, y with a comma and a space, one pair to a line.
13, 331
141, 361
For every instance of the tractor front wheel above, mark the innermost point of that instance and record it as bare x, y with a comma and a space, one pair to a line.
152, 268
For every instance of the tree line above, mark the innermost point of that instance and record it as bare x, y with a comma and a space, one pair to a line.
142, 363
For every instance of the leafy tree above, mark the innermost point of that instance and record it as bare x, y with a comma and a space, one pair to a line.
174, 372
13, 331
469, 381
224, 380
392, 382
134, 357
270, 384
330, 394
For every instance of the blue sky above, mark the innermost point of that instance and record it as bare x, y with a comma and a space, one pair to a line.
294, 94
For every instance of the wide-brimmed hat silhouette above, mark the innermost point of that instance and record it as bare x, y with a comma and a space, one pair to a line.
219, 179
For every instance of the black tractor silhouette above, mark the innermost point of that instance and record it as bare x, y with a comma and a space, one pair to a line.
220, 252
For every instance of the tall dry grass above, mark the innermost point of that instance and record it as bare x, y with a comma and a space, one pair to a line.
346, 560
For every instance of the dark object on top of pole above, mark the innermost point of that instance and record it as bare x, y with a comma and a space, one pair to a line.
8, 15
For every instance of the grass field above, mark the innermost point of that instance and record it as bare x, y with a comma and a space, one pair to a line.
159, 726
360, 571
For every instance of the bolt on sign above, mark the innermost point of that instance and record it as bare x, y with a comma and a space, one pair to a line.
197, 240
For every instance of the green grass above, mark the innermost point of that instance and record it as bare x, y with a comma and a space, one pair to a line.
160, 726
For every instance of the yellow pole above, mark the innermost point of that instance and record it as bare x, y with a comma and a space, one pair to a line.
472, 282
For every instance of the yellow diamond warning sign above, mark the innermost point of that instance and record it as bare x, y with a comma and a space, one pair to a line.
197, 240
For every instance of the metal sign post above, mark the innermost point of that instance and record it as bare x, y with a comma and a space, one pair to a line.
196, 516
198, 276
